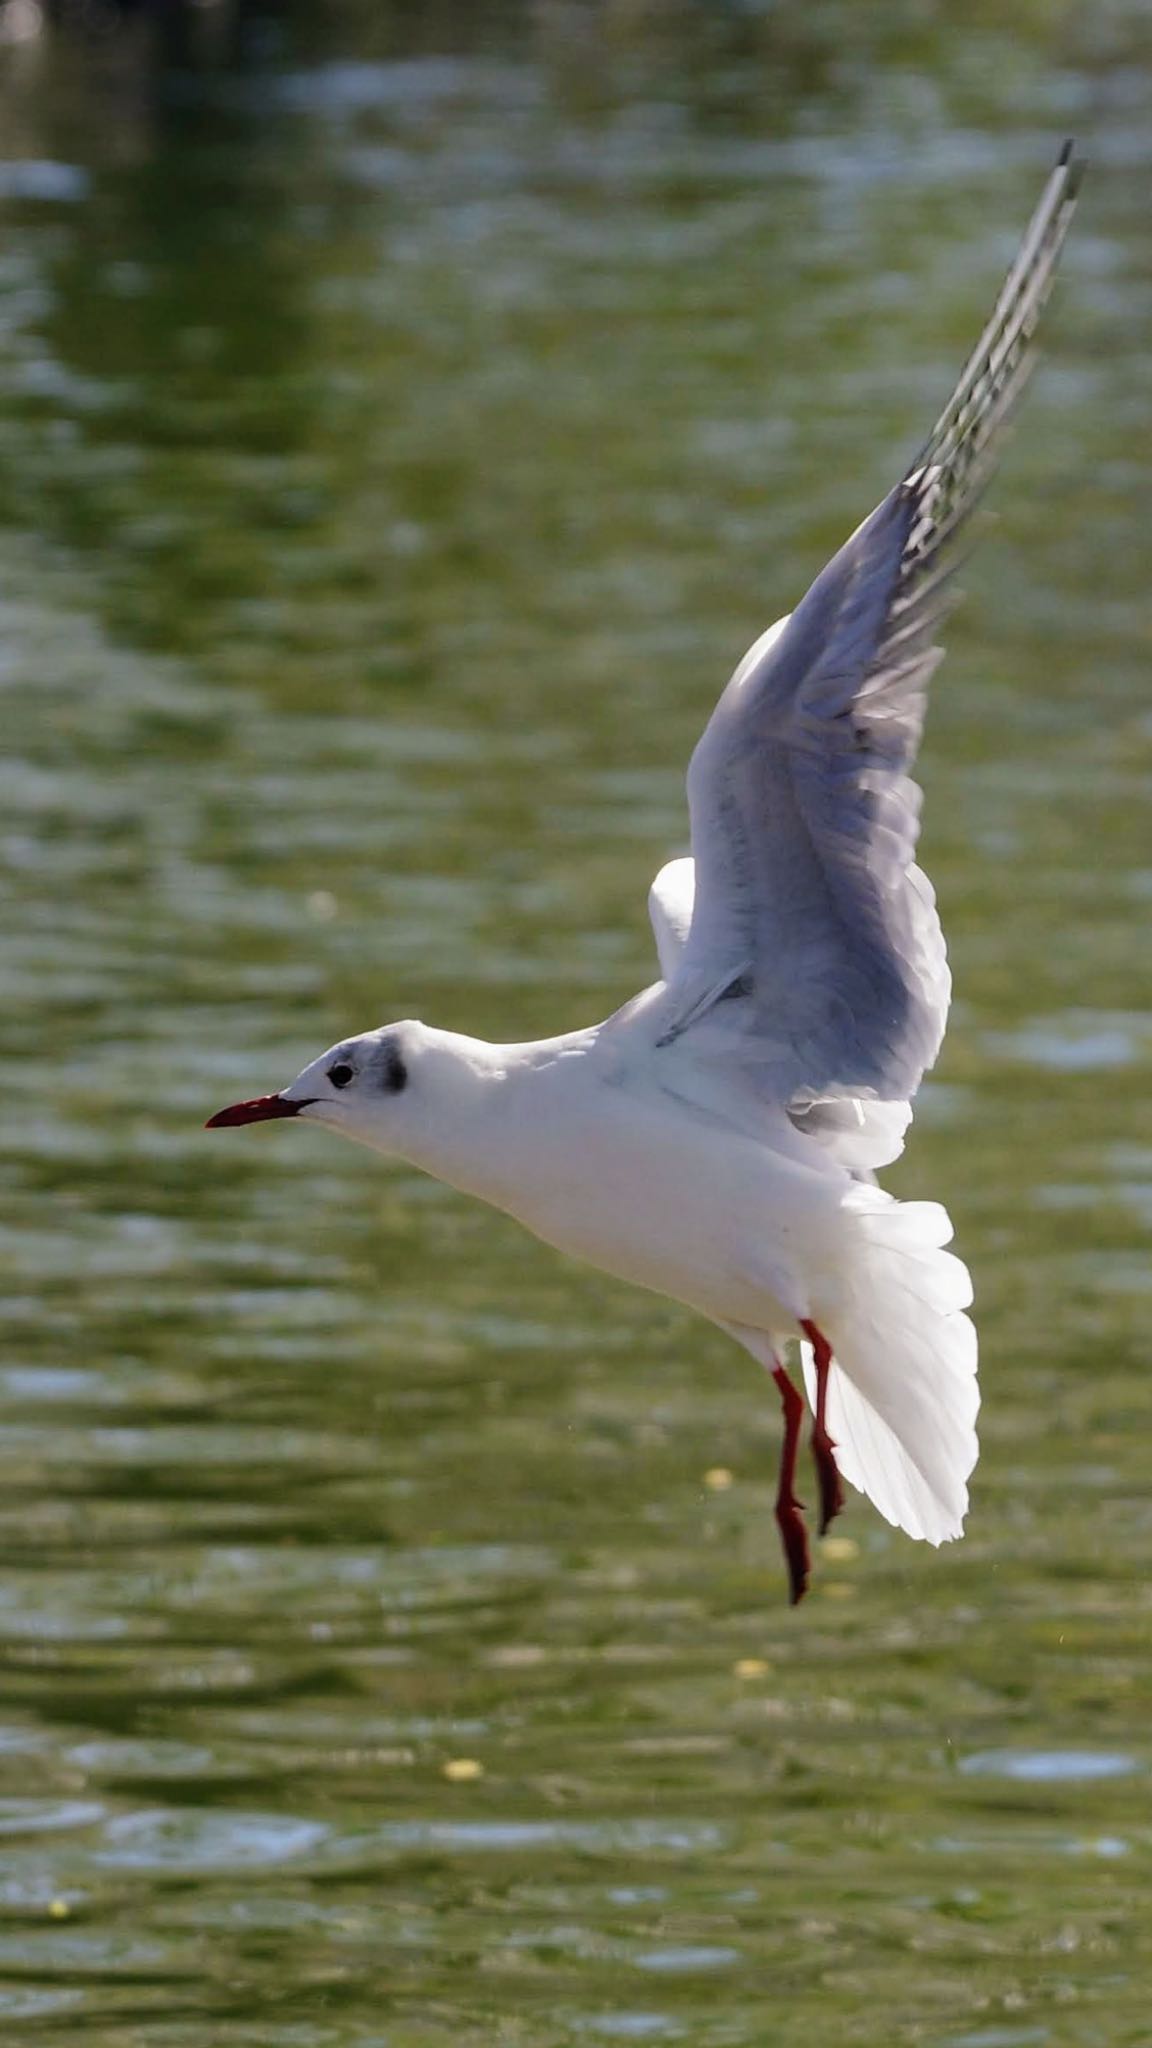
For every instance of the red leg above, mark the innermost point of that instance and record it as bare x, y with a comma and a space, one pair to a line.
789, 1520
823, 1448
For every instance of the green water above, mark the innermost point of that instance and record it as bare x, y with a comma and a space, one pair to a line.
407, 416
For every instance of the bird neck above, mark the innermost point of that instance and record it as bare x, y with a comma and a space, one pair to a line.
480, 1108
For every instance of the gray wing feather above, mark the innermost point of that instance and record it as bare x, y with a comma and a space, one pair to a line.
810, 916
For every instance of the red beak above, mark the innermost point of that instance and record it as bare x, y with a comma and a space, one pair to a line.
257, 1111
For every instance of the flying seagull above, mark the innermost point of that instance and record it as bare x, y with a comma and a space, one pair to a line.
716, 1139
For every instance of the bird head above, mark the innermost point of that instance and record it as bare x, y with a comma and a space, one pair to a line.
359, 1086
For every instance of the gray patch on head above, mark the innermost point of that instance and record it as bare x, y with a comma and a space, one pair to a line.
389, 1068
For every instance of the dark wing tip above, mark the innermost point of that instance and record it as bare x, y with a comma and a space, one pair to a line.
958, 458
1074, 168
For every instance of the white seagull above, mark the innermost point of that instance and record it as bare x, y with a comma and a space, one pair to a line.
715, 1140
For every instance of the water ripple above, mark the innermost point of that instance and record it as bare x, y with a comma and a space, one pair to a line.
47, 1816
201, 1842
1049, 1766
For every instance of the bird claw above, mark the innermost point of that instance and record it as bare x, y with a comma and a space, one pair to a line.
831, 1489
794, 1537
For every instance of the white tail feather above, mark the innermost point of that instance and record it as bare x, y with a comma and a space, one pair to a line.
902, 1394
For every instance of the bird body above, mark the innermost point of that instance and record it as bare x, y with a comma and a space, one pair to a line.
716, 1140
570, 1135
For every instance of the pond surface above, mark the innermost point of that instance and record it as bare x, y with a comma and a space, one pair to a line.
407, 417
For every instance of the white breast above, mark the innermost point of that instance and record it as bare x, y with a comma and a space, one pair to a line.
657, 1195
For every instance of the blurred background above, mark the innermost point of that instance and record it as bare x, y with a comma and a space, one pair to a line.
408, 414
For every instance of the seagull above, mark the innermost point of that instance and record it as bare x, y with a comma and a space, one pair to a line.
716, 1140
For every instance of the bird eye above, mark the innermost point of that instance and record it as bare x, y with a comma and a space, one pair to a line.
340, 1074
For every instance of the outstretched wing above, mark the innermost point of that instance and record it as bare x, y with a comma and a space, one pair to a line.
814, 957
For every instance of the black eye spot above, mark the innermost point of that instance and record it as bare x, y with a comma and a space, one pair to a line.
340, 1074
395, 1072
